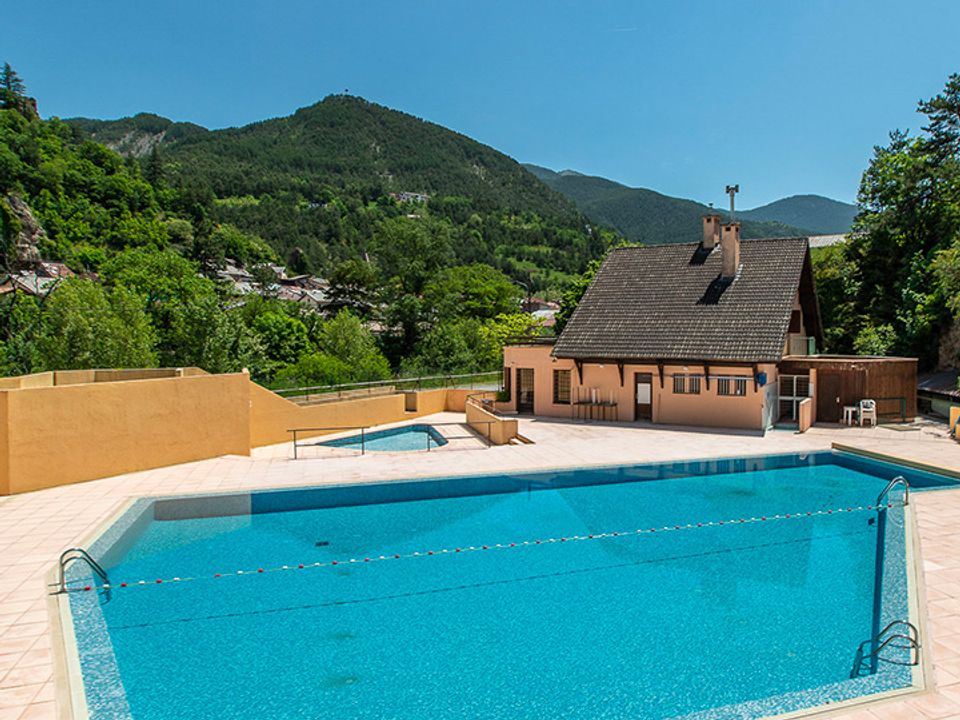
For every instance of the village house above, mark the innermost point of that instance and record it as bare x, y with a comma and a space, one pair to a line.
723, 332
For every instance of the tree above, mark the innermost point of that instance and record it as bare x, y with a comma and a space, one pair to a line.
153, 168
345, 338
284, 338
475, 290
411, 250
11, 81
571, 297
86, 325
352, 286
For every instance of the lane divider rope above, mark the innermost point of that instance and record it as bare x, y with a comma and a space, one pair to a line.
481, 548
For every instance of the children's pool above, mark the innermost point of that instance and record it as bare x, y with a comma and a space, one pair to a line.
716, 589
399, 439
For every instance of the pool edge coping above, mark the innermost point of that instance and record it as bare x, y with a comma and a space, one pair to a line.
895, 459
69, 692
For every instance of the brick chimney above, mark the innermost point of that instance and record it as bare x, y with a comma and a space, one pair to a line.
730, 249
711, 231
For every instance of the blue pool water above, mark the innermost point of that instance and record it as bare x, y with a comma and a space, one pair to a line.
399, 439
739, 620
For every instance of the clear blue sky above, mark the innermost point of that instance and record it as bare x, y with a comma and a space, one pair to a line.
681, 97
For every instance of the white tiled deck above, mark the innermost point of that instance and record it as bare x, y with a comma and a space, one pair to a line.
35, 527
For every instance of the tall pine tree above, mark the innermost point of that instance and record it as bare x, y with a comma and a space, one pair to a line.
11, 81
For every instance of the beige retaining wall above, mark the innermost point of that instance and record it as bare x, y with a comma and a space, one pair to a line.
75, 425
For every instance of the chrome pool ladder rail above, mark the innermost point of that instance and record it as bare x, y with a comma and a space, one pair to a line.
75, 553
898, 480
910, 639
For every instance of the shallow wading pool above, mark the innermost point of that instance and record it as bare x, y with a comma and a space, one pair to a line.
405, 438
729, 588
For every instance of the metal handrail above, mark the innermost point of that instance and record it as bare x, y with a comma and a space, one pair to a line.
315, 389
898, 480
76, 553
363, 428
878, 643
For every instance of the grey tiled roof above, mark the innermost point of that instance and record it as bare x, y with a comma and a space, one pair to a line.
668, 302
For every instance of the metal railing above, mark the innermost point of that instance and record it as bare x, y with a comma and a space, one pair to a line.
70, 555
871, 649
430, 442
469, 380
898, 480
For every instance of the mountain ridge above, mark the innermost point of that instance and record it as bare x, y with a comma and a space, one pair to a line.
645, 215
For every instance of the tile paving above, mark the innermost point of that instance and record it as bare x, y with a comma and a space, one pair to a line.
36, 527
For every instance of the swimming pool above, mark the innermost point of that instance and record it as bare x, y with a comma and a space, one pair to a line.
527, 595
399, 439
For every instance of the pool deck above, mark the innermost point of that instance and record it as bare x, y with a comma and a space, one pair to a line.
35, 527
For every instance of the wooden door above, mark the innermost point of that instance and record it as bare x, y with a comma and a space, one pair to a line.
643, 396
829, 407
525, 390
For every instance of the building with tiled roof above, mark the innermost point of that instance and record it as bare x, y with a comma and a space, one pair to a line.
696, 334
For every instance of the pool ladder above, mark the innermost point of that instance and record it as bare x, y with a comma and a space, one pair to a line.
72, 554
898, 480
898, 635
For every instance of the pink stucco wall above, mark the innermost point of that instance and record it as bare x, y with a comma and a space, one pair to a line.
706, 408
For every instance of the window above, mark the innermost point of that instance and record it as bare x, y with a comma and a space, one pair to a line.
507, 377
732, 386
686, 384
796, 322
561, 387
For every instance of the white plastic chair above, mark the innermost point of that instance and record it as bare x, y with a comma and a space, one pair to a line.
868, 411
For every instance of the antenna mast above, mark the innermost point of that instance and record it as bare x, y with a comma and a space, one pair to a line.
732, 190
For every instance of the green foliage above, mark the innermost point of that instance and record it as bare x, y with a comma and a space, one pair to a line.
891, 287
347, 353
11, 82
571, 297
89, 326
475, 290
284, 338
345, 338
873, 340
652, 218
315, 187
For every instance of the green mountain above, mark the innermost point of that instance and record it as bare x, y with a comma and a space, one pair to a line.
316, 184
342, 139
814, 212
647, 216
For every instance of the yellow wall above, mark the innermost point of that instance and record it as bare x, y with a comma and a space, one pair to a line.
457, 398
805, 415
59, 435
498, 430
4, 450
271, 416
706, 408
75, 425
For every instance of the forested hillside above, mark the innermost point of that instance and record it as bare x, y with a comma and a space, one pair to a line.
643, 215
314, 185
146, 236
816, 213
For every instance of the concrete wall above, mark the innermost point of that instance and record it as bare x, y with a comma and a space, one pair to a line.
58, 435
76, 425
805, 415
498, 430
271, 416
457, 398
705, 409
